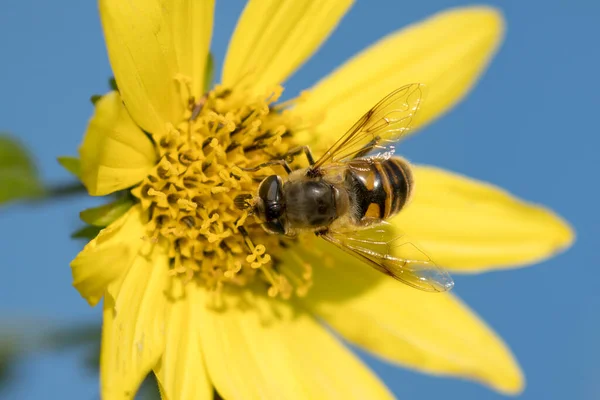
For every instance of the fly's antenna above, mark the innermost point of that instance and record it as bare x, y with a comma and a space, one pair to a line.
243, 201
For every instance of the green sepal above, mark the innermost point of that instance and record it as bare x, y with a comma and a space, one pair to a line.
112, 83
209, 73
95, 98
71, 164
88, 232
106, 214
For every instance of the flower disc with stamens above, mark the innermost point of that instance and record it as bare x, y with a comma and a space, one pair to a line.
189, 195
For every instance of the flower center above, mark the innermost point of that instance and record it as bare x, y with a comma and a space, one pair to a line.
190, 194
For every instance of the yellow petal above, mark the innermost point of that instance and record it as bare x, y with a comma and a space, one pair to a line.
257, 348
181, 372
115, 153
139, 40
108, 256
192, 22
434, 333
133, 330
472, 226
447, 52
273, 38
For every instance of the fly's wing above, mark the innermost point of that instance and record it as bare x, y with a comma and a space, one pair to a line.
387, 121
394, 255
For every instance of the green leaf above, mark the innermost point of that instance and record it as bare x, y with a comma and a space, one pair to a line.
94, 98
18, 175
112, 83
67, 337
71, 164
209, 74
88, 232
102, 216
8, 354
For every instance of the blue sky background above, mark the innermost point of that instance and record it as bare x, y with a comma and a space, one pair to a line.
530, 126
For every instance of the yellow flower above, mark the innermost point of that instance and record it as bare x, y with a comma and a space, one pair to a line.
188, 297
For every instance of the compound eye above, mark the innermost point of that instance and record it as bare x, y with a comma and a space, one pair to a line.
274, 226
271, 189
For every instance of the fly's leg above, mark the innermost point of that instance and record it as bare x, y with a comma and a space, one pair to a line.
246, 237
197, 107
285, 160
282, 163
290, 155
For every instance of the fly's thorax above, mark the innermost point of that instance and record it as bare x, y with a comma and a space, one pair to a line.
380, 188
310, 203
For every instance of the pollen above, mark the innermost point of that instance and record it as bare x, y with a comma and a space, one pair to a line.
189, 195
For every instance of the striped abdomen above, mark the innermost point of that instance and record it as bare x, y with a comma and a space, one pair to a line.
381, 188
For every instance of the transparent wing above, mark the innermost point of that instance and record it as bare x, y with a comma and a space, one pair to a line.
394, 255
387, 121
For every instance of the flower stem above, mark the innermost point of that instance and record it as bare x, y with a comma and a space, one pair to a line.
59, 191
65, 190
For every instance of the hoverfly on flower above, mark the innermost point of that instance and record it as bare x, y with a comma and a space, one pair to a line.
346, 195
